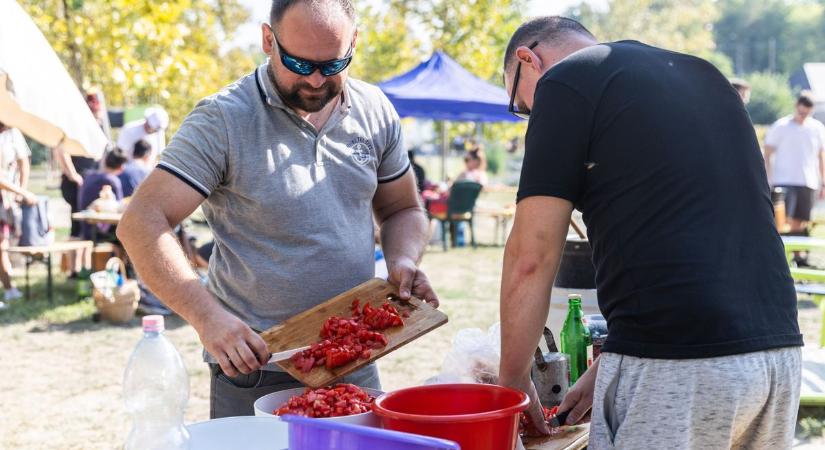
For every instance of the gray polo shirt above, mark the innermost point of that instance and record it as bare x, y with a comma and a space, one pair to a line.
290, 208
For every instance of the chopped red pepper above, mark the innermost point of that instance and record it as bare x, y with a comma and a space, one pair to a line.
348, 339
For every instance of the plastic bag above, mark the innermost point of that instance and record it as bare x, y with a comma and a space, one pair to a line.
473, 358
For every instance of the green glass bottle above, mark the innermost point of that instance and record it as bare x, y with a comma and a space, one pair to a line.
575, 337
83, 284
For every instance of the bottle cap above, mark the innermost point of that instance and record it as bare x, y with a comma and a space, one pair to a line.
153, 323
574, 298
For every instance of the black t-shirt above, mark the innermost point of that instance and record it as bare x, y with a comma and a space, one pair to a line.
657, 151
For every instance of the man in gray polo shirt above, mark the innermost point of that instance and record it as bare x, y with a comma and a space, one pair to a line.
291, 162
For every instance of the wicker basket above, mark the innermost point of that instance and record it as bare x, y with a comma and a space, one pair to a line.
118, 304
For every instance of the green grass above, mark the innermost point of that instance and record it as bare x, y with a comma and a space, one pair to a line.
66, 306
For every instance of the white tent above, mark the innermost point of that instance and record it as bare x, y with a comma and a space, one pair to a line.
50, 101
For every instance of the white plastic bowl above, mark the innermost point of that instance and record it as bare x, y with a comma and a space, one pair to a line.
239, 432
270, 402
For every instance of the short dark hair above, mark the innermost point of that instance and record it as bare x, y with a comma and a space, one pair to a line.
279, 8
115, 159
806, 98
548, 28
142, 148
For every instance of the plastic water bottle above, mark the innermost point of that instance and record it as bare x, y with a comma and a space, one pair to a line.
156, 389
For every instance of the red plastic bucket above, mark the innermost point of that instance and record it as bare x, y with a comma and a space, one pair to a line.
477, 416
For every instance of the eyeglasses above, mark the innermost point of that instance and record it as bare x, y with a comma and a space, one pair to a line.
520, 114
304, 67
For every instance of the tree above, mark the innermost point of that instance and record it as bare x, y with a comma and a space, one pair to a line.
141, 51
385, 46
771, 98
683, 26
772, 35
398, 34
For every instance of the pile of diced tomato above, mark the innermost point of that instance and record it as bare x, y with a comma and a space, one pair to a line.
339, 400
348, 339
526, 426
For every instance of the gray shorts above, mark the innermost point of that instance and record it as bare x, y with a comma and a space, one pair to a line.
234, 396
747, 401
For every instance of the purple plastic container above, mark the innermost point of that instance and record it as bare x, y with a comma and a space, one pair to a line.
312, 434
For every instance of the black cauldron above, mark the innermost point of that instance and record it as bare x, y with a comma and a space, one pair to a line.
576, 269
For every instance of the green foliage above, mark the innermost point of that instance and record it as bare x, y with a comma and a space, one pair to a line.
771, 35
495, 158
381, 53
771, 98
811, 423
721, 61
684, 26
474, 33
39, 152
144, 52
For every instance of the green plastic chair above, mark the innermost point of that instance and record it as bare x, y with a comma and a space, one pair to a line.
460, 206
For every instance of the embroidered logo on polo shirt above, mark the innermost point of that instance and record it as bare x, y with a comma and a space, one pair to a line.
361, 150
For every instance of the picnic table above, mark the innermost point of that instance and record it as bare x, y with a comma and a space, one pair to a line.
502, 216
94, 217
45, 253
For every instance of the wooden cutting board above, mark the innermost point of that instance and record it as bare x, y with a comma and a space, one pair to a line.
570, 438
305, 328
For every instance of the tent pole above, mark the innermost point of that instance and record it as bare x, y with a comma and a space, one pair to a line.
445, 148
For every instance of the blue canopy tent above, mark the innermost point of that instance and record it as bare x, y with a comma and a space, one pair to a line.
440, 89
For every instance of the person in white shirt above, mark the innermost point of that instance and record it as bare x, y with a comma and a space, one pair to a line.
795, 161
151, 129
14, 175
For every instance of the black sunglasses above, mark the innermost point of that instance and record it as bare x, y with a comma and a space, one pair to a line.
304, 67
520, 114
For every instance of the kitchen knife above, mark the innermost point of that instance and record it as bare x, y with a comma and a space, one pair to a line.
286, 354
559, 419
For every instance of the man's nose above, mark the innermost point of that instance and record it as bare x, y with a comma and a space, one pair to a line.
315, 79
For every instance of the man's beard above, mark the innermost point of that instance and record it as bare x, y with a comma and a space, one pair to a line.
313, 103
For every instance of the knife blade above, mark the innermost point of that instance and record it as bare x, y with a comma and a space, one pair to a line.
286, 354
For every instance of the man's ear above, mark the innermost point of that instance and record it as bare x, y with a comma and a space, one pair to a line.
529, 58
267, 39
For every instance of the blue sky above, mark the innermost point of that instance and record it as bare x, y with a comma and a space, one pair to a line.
250, 34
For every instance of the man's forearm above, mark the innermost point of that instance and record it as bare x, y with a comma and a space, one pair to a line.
525, 304
531, 258
404, 235
163, 266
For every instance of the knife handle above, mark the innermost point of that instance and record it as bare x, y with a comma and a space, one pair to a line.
560, 419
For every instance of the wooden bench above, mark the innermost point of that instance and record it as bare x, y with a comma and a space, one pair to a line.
502, 216
44, 253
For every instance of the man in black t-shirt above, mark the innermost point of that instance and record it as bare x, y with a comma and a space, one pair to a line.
656, 150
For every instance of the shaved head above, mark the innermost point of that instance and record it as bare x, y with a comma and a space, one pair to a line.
326, 11
552, 29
